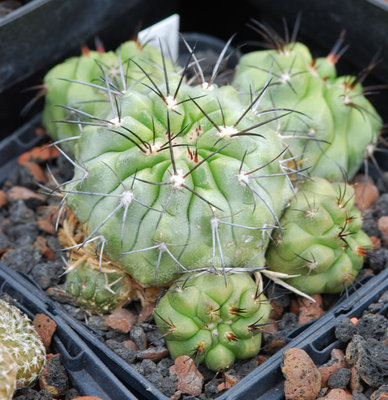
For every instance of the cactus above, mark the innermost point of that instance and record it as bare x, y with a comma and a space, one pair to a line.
172, 179
322, 238
338, 122
77, 88
179, 178
222, 324
23, 344
8, 369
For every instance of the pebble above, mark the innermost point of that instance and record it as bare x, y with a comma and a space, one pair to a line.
121, 320
54, 378
129, 355
138, 336
189, 379
382, 224
359, 396
370, 359
310, 310
47, 274
381, 393
303, 380
344, 329
87, 398
31, 198
23, 234
152, 353
381, 206
336, 394
366, 195
339, 379
3, 199
372, 326
45, 327
337, 361
19, 213
369, 225
22, 258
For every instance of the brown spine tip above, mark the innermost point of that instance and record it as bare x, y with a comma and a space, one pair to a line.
85, 51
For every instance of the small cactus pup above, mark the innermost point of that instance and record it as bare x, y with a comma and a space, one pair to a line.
23, 344
97, 283
215, 318
336, 124
8, 369
322, 238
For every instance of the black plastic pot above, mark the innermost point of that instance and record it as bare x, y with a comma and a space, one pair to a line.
37, 35
88, 374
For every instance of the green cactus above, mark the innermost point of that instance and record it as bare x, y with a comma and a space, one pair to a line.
8, 369
222, 324
23, 344
181, 177
322, 238
76, 89
338, 121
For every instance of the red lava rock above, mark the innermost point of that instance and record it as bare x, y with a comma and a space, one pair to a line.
46, 223
39, 154
177, 395
272, 340
380, 394
36, 171
87, 398
294, 306
303, 380
355, 381
337, 394
153, 353
309, 310
229, 381
3, 199
337, 361
146, 312
130, 344
382, 224
366, 195
121, 320
45, 327
276, 311
376, 242
189, 379
261, 359
23, 193
45, 250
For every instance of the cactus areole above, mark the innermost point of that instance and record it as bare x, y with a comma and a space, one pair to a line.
168, 177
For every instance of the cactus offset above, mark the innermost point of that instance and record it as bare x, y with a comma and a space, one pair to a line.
322, 238
339, 122
25, 347
223, 323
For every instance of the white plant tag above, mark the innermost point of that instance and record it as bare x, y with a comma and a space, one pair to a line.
167, 30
